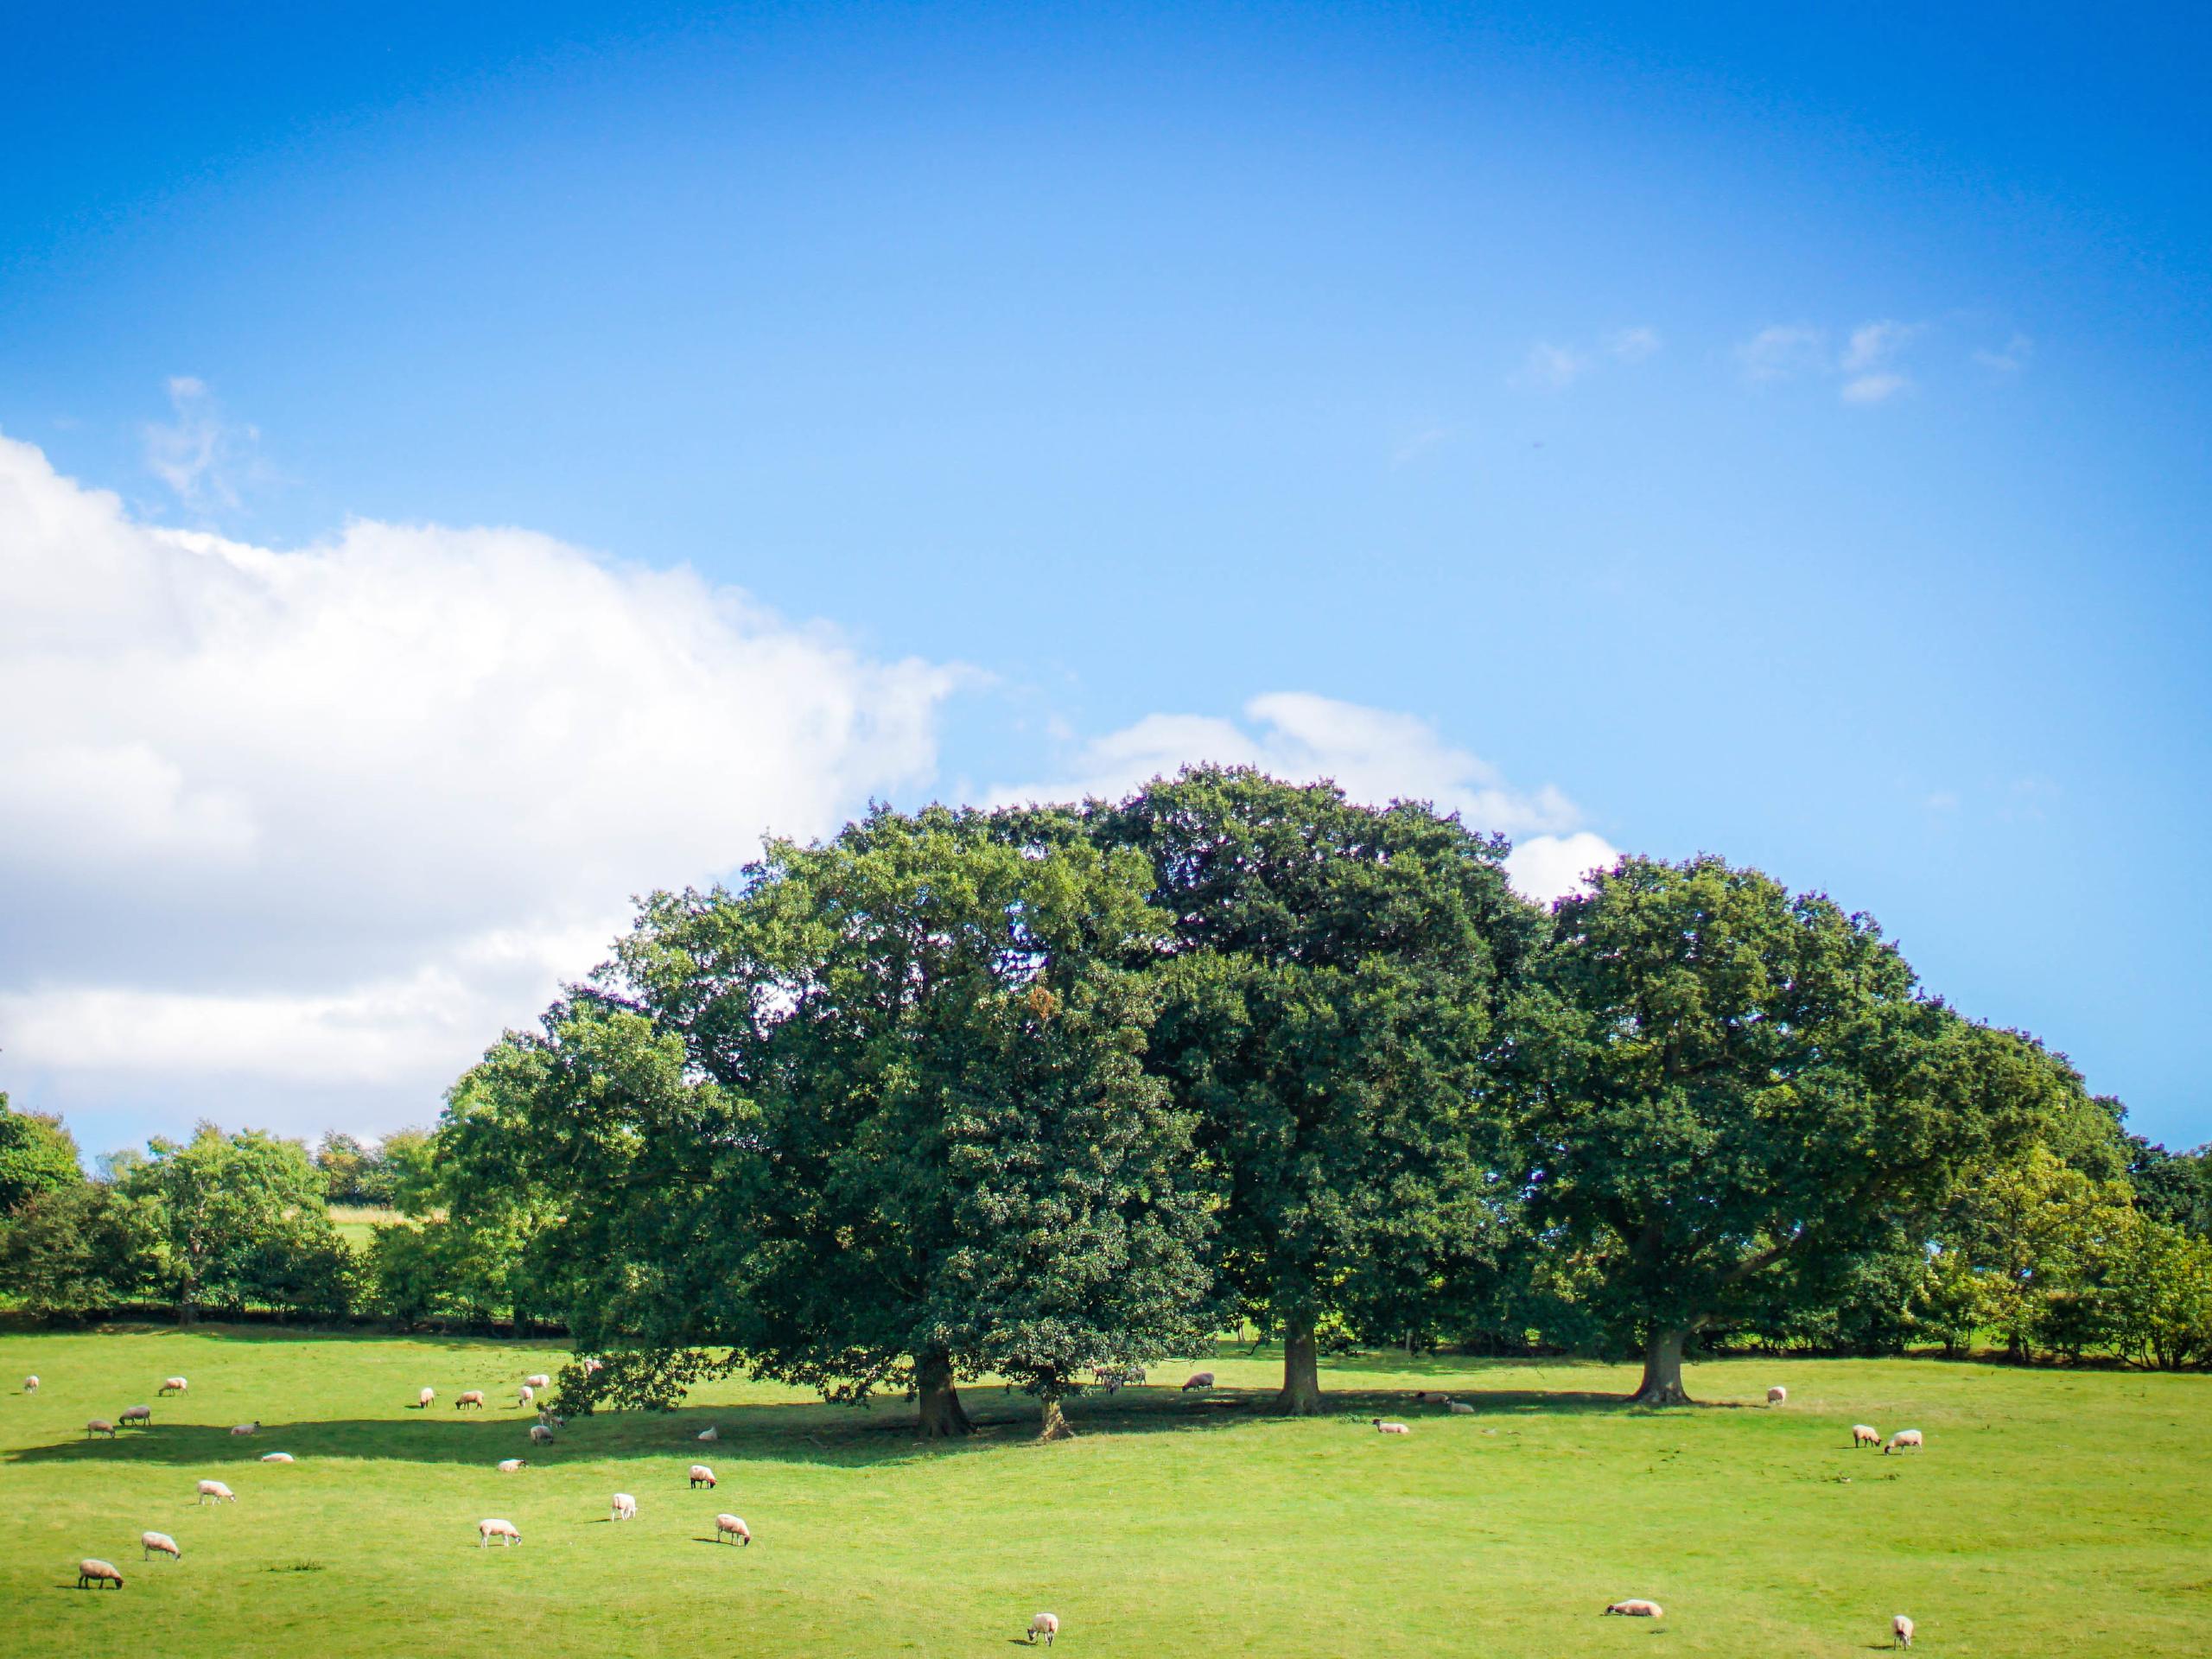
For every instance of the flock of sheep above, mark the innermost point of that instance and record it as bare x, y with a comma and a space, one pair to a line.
93, 1573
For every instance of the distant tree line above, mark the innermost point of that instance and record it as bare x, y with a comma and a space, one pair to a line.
1041, 1092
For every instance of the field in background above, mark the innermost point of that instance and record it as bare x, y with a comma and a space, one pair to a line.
2051, 1511
358, 1223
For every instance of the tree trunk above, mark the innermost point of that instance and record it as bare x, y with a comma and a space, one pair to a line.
1055, 1426
1301, 1369
1662, 1370
940, 1415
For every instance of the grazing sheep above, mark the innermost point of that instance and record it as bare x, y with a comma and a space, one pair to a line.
253, 1427
150, 1542
1864, 1434
423, 1400
136, 1414
1202, 1380
1381, 1428
471, 1397
99, 1425
1778, 1396
172, 1385
1046, 1625
701, 1475
1900, 1632
525, 1395
591, 1366
710, 1432
276, 1457
537, 1380
730, 1526
552, 1418
503, 1531
540, 1435
1902, 1438
512, 1466
625, 1507
215, 1491
1460, 1408
30, 1385
1636, 1607
92, 1572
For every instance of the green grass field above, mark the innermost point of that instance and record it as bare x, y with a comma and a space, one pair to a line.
2051, 1511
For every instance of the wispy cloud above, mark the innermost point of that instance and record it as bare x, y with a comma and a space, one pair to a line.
1550, 367
1782, 350
205, 459
1875, 388
2014, 358
1868, 365
1632, 344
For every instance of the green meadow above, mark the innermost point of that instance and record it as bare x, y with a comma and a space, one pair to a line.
2051, 1510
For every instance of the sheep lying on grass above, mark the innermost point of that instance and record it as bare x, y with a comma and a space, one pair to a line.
730, 1526
150, 1543
512, 1466
1046, 1625
1636, 1607
1383, 1427
504, 1531
1461, 1409
711, 1433
253, 1427
92, 1572
277, 1457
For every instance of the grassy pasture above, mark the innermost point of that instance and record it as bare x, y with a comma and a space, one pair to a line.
2051, 1511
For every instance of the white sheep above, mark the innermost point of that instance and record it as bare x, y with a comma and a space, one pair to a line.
730, 1526
625, 1507
1636, 1607
30, 1385
214, 1492
1461, 1409
277, 1457
1902, 1438
701, 1475
90, 1571
711, 1433
470, 1397
149, 1542
594, 1366
1046, 1625
99, 1425
136, 1414
540, 1435
1864, 1434
512, 1466
173, 1385
1199, 1380
423, 1400
1900, 1632
525, 1395
504, 1531
253, 1427
1382, 1427
1778, 1396
537, 1380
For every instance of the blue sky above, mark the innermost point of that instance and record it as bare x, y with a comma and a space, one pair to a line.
1770, 433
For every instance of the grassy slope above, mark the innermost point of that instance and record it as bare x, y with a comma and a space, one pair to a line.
2050, 1511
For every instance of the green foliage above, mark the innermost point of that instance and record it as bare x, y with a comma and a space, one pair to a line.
214, 1201
2157, 1293
36, 1155
68, 1251
299, 1266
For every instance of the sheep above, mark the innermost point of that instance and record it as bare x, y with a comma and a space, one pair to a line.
1902, 1438
253, 1427
1201, 1380
99, 1425
91, 1572
136, 1414
1431, 1397
277, 1457
701, 1475
1778, 1396
1382, 1427
625, 1507
729, 1526
173, 1385
1864, 1434
1460, 1408
592, 1367
423, 1400
537, 1380
471, 1397
214, 1492
1636, 1607
711, 1433
512, 1466
150, 1542
30, 1385
504, 1531
540, 1435
1900, 1632
552, 1418
1046, 1625
525, 1395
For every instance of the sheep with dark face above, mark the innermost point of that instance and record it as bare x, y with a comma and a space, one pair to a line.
143, 1414
729, 1526
92, 1572
504, 1531
701, 1475
1046, 1625
1636, 1607
151, 1542
173, 1385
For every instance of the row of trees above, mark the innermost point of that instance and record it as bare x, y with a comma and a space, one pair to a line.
1031, 1092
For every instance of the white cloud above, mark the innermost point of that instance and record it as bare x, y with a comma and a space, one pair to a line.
204, 459
338, 815
1783, 350
1873, 344
2014, 358
1873, 388
1374, 754
1866, 364
1632, 344
1554, 368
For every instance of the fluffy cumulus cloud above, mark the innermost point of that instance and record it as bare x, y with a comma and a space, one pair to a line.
1374, 755
338, 815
